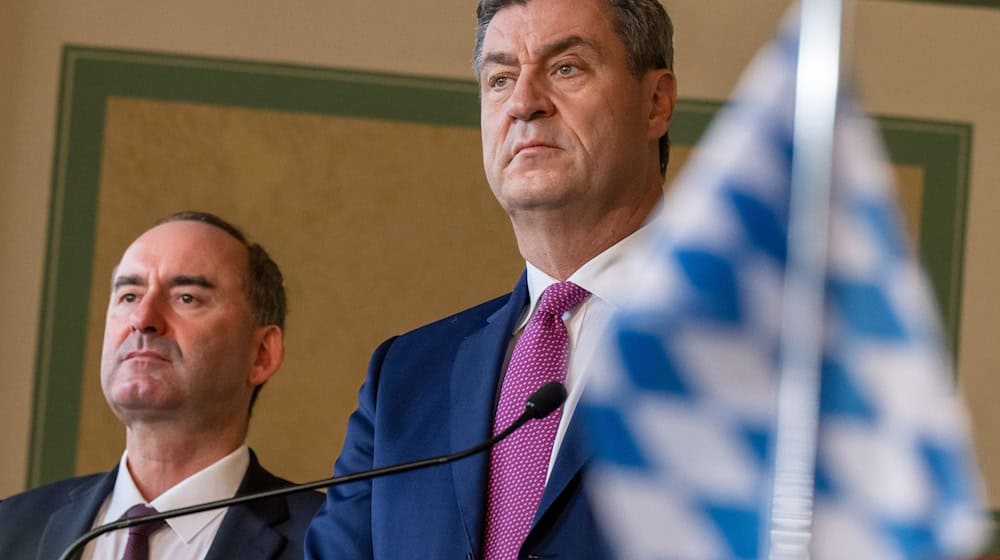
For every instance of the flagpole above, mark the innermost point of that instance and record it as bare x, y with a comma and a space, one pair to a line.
816, 89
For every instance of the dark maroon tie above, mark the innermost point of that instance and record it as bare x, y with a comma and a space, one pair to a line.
137, 547
518, 465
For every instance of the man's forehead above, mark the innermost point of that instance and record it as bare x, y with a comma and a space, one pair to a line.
543, 27
189, 248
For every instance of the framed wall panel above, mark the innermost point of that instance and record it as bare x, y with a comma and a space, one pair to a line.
352, 180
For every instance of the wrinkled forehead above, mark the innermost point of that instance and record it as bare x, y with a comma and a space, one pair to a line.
537, 28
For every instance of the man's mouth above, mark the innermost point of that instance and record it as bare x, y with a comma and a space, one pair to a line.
532, 146
145, 355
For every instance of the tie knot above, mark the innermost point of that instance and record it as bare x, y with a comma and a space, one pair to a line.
561, 297
145, 529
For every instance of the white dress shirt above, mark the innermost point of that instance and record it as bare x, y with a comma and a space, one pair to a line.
184, 538
608, 277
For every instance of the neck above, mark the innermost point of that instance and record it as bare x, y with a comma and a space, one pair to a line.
559, 242
159, 459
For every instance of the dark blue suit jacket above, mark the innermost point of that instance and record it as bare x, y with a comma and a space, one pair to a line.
41, 523
431, 392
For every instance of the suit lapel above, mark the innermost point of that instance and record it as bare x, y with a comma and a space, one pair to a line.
247, 531
475, 377
574, 453
69, 522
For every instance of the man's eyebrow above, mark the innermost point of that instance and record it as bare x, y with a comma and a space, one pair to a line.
566, 44
501, 58
180, 280
547, 51
127, 280
191, 280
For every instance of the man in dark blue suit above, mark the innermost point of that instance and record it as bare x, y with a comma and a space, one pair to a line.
194, 329
576, 101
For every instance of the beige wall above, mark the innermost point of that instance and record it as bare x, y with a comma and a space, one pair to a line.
914, 60
21, 246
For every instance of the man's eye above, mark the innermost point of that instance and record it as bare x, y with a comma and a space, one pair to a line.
566, 70
186, 298
499, 81
127, 298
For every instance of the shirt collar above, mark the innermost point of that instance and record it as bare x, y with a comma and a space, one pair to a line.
218, 481
606, 276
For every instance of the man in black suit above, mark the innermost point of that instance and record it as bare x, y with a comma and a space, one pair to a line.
194, 329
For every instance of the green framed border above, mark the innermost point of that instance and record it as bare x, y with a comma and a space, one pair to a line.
995, 547
944, 151
90, 76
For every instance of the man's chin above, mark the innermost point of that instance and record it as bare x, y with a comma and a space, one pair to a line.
535, 191
138, 401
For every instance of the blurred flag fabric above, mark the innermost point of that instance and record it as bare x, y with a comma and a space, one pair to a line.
683, 411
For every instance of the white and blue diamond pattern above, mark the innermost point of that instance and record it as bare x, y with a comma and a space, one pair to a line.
683, 469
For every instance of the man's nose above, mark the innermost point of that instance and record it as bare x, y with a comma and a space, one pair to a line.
530, 98
147, 317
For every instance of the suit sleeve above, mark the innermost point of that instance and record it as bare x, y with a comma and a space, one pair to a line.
342, 528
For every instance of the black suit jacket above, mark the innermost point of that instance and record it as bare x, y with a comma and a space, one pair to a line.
41, 523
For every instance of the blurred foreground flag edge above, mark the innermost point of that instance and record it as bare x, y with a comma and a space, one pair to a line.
682, 404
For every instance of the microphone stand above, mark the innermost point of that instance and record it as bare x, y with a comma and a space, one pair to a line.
539, 405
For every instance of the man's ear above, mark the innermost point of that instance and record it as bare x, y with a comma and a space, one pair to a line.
662, 91
269, 353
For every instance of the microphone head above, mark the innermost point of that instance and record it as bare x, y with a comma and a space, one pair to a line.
547, 398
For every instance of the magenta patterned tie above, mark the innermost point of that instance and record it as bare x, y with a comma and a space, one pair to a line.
137, 547
518, 464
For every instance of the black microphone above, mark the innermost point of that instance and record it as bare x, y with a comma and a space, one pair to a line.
540, 404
